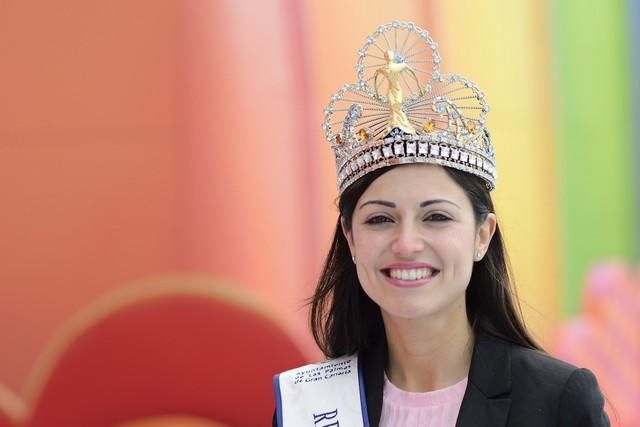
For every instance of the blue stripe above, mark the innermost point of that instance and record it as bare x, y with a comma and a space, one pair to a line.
363, 396
276, 391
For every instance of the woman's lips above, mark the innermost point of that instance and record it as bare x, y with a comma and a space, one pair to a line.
409, 275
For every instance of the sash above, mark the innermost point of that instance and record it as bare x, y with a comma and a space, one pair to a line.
325, 394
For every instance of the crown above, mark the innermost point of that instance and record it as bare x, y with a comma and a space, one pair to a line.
390, 117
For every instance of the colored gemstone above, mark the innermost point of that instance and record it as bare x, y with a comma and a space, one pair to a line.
471, 126
429, 126
338, 139
363, 134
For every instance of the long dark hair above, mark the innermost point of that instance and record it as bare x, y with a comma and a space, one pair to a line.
345, 320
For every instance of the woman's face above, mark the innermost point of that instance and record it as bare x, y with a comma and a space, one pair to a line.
415, 240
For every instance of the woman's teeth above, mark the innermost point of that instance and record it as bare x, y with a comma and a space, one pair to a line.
410, 273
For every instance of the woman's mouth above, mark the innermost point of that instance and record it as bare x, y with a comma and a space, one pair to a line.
409, 277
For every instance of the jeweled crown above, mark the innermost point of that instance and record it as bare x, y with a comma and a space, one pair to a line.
441, 122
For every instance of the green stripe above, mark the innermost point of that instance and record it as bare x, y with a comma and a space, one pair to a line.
634, 34
593, 116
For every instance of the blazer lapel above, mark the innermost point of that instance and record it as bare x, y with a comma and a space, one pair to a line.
486, 401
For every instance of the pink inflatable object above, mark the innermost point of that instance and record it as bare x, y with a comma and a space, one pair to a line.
605, 338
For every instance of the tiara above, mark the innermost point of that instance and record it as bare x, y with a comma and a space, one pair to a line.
390, 117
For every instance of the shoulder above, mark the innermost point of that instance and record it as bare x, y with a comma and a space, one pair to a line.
526, 361
523, 365
581, 401
573, 391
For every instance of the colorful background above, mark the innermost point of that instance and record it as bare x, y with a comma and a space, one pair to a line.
152, 142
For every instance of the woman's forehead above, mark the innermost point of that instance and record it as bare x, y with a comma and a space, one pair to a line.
415, 181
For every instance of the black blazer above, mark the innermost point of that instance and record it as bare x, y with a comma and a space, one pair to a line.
508, 386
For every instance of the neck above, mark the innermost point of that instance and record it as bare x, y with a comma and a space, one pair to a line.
428, 354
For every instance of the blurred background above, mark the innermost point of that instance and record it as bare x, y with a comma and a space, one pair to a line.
168, 196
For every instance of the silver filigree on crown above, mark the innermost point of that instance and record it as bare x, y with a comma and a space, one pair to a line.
388, 117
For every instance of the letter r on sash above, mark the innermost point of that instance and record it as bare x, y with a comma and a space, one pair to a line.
326, 416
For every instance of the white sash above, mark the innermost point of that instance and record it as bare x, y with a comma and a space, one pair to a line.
326, 394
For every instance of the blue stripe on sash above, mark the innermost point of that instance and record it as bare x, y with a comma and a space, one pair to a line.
363, 395
276, 388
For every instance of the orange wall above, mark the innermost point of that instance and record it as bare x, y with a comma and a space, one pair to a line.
144, 138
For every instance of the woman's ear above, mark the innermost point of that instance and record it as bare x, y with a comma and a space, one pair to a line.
348, 235
485, 233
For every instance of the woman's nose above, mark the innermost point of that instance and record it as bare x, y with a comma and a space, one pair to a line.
407, 241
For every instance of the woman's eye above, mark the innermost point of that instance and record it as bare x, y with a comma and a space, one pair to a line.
379, 219
437, 217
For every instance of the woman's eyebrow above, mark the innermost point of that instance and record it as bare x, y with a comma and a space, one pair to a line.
432, 201
378, 202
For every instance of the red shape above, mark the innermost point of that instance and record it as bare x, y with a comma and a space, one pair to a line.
174, 353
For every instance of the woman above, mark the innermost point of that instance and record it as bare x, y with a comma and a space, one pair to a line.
415, 308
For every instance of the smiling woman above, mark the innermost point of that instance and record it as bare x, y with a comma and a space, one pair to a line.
415, 308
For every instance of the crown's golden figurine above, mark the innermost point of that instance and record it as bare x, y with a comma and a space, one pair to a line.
393, 70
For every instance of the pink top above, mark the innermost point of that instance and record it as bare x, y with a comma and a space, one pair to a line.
438, 408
